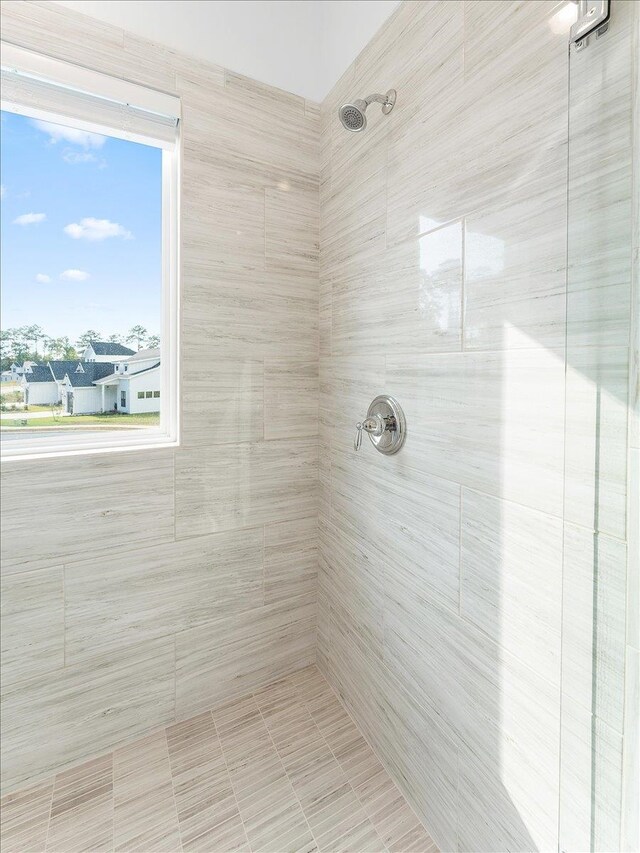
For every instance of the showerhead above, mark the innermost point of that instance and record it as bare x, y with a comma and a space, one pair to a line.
353, 116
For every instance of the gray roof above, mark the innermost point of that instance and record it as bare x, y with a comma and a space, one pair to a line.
39, 373
108, 348
59, 368
144, 353
92, 370
140, 372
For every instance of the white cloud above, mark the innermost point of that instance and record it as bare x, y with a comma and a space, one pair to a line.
74, 275
56, 132
3, 191
29, 218
96, 229
43, 278
74, 157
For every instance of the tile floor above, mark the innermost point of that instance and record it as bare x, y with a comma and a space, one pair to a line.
284, 769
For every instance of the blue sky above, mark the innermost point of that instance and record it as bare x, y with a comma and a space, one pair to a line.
81, 230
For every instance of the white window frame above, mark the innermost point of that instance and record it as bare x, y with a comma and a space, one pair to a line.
54, 444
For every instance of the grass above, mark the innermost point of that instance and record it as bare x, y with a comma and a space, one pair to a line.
42, 407
149, 419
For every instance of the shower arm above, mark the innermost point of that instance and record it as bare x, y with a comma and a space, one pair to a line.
377, 98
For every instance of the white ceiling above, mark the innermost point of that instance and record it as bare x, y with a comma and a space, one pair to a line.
302, 46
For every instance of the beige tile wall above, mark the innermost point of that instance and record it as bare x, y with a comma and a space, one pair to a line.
458, 580
140, 588
454, 581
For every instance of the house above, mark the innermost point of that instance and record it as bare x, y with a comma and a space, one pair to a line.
80, 394
135, 383
6, 376
39, 385
131, 385
18, 370
106, 352
60, 368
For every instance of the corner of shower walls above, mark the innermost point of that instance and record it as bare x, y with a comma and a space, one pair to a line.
224, 529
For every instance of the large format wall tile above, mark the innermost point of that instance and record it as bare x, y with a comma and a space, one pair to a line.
407, 300
52, 721
249, 294
511, 578
232, 314
490, 421
234, 655
63, 508
242, 485
224, 404
32, 624
408, 522
156, 592
290, 398
514, 262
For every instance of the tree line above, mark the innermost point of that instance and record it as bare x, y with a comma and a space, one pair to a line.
32, 343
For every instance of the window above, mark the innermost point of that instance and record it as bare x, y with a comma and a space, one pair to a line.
89, 254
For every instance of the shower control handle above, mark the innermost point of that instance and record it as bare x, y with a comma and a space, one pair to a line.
375, 425
385, 425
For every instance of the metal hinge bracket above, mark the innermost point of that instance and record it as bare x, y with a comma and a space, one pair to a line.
593, 16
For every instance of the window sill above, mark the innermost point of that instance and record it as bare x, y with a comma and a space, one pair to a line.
51, 450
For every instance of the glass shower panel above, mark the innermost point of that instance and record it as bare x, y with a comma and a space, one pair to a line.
599, 527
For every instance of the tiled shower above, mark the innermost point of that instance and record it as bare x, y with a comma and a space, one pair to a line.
267, 640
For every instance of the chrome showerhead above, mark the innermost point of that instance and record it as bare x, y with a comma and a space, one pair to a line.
353, 116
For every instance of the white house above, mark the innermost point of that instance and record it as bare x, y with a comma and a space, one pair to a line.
6, 376
131, 385
106, 352
80, 394
135, 383
60, 368
39, 385
18, 370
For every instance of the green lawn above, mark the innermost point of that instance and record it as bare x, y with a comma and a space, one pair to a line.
149, 419
40, 407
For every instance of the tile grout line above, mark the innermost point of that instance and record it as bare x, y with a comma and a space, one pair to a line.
53, 788
173, 790
340, 765
295, 794
226, 767
374, 752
